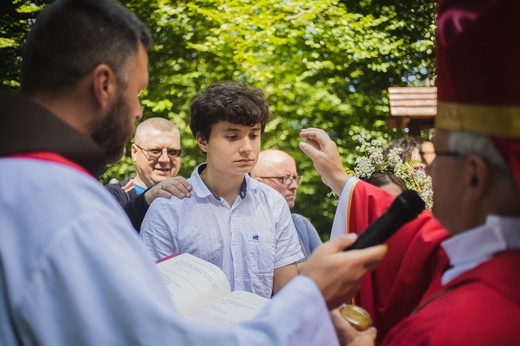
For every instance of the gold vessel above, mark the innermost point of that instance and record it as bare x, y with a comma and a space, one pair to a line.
357, 316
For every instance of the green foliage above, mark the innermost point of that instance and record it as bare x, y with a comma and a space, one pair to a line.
322, 63
15, 21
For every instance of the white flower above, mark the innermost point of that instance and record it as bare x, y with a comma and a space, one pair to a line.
371, 160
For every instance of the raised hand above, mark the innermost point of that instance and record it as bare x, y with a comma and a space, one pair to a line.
325, 157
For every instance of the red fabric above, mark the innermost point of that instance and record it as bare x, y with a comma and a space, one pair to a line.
476, 62
481, 307
52, 157
167, 258
413, 262
510, 150
129, 186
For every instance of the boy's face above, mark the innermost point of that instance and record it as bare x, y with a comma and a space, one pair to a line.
232, 148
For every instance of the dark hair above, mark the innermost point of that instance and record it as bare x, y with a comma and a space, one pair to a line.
380, 179
71, 37
406, 144
235, 102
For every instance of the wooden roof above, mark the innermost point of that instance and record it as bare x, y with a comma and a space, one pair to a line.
412, 107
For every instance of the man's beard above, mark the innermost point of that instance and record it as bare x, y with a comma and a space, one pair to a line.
114, 131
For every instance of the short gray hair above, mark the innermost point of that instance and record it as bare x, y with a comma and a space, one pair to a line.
470, 143
154, 124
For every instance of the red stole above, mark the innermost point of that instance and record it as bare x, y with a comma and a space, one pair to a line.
52, 157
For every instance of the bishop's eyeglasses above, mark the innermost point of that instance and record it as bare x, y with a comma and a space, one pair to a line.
154, 154
439, 153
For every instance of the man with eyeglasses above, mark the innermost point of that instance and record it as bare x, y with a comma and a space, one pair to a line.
277, 169
476, 182
157, 156
72, 270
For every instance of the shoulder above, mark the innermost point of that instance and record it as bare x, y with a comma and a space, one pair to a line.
114, 187
303, 225
117, 190
88, 202
298, 218
454, 318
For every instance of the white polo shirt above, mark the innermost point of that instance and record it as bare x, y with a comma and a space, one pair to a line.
247, 240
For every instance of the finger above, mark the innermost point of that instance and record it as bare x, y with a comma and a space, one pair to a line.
174, 191
182, 181
310, 149
309, 137
339, 243
344, 330
165, 194
315, 137
337, 317
370, 333
181, 186
310, 131
166, 189
370, 256
184, 186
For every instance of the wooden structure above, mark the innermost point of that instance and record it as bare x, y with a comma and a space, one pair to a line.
413, 108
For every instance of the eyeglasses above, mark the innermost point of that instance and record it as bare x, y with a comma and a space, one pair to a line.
287, 180
154, 154
440, 153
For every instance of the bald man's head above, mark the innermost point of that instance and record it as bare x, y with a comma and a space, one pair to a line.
273, 165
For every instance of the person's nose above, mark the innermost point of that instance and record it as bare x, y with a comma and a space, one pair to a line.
139, 114
164, 156
246, 146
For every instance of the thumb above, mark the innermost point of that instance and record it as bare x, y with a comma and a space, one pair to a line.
368, 336
308, 149
339, 243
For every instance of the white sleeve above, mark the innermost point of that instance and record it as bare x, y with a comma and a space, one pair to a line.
113, 294
339, 225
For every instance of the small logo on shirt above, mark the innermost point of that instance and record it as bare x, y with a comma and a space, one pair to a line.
255, 237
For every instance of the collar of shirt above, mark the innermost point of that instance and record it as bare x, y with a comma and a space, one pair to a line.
139, 189
202, 190
471, 248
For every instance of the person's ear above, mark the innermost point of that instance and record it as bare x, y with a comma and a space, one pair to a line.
134, 153
104, 86
478, 176
201, 142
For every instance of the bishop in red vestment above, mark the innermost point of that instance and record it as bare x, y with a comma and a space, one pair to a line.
476, 191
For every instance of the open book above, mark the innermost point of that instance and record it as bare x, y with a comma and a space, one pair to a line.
201, 290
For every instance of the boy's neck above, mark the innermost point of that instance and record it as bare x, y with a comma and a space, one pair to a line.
225, 186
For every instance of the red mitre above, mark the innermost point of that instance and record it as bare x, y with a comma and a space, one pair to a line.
478, 71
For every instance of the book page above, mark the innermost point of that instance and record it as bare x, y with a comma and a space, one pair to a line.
235, 307
192, 282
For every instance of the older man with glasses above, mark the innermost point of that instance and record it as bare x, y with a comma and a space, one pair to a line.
475, 299
277, 169
157, 156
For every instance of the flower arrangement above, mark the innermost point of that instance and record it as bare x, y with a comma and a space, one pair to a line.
374, 161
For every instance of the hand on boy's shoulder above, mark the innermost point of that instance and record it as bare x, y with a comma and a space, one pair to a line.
176, 186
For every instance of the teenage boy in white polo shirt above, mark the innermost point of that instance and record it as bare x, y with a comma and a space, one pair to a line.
231, 220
